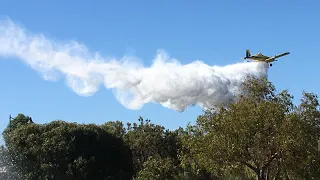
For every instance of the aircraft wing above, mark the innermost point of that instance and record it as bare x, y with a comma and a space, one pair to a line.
277, 56
280, 55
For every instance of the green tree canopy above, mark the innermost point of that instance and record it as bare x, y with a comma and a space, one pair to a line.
261, 135
60, 150
145, 140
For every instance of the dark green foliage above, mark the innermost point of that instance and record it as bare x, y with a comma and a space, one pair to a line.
157, 168
7, 169
145, 140
61, 150
18, 121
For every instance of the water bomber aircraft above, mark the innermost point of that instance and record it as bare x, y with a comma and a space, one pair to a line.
262, 58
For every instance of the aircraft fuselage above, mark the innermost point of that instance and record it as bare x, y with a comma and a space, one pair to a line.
258, 57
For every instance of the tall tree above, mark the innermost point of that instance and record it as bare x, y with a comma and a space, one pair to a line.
250, 138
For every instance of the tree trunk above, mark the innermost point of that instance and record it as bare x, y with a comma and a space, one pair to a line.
261, 175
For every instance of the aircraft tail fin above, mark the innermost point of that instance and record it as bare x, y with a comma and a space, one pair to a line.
248, 53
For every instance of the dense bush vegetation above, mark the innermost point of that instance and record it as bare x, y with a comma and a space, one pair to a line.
262, 135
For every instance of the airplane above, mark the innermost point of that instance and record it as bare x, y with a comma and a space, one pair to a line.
262, 58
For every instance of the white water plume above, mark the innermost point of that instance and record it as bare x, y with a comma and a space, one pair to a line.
166, 81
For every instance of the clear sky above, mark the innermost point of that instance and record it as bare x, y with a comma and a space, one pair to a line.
216, 32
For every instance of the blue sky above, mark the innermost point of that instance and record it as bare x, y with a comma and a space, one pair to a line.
216, 32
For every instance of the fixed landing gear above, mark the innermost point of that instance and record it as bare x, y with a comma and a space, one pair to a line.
270, 65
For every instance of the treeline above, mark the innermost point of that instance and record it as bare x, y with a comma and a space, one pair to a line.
263, 135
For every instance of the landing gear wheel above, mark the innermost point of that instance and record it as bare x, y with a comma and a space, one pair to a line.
270, 65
